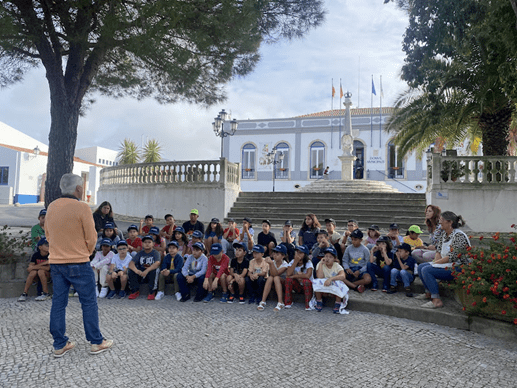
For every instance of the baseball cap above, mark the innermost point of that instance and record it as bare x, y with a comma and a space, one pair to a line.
149, 216
302, 248
330, 220
215, 249
415, 229
356, 234
405, 246
373, 227
240, 244
266, 222
385, 239
280, 249
179, 229
322, 231
247, 219
42, 212
147, 238
121, 242
194, 211
42, 241
231, 220
394, 226
330, 250
106, 241
258, 248
197, 234
199, 245
109, 225
215, 220
175, 243
288, 223
132, 227
154, 230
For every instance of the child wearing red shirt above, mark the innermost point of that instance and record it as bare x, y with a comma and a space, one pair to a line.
216, 273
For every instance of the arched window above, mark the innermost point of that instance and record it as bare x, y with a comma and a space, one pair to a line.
281, 165
317, 165
395, 162
248, 161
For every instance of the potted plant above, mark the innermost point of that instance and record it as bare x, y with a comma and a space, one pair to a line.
487, 286
452, 168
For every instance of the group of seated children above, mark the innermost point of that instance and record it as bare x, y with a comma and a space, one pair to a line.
238, 266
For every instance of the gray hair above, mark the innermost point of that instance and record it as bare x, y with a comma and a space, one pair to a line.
69, 182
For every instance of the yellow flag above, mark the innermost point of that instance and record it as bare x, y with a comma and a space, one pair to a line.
474, 146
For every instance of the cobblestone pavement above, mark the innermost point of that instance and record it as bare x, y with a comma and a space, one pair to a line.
170, 344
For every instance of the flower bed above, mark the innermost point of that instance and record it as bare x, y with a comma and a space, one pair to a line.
488, 285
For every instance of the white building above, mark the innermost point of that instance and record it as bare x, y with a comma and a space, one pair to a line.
98, 155
312, 142
23, 166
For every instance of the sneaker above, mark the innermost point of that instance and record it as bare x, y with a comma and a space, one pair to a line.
224, 298
42, 297
178, 295
111, 294
251, 300
231, 298
241, 299
288, 306
319, 305
106, 345
134, 295
104, 292
159, 295
23, 297
122, 294
209, 297
393, 290
65, 349
77, 295
151, 296
359, 288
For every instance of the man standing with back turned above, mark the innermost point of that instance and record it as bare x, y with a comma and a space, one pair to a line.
70, 230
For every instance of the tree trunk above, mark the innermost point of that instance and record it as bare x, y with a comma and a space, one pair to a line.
62, 139
495, 128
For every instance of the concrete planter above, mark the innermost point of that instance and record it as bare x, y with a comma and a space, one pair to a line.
492, 310
15, 269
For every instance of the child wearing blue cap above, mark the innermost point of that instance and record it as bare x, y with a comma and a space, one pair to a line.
403, 269
169, 269
238, 270
216, 273
330, 270
299, 277
355, 262
159, 242
144, 268
257, 275
117, 273
100, 264
108, 233
39, 267
277, 274
193, 273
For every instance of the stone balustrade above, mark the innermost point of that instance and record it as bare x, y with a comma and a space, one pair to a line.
178, 173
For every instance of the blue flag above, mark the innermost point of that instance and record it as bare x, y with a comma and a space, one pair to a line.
373, 88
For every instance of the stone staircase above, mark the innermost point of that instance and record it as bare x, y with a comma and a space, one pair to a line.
368, 208
354, 186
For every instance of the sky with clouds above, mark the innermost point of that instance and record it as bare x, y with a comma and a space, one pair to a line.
292, 79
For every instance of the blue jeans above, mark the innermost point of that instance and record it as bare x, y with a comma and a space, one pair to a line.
404, 275
428, 274
185, 287
255, 288
373, 269
81, 277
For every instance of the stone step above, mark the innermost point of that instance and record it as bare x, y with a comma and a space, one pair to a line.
307, 195
324, 185
415, 210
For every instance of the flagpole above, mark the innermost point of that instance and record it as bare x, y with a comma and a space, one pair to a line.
380, 113
331, 114
340, 96
359, 83
371, 116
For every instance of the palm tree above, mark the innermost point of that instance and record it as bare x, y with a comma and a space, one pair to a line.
151, 152
129, 152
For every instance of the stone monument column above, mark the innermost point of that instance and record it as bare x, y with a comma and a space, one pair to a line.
347, 143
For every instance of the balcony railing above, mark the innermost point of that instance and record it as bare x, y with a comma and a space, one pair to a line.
471, 170
213, 172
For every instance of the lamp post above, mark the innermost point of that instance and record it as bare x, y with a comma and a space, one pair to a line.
219, 128
270, 159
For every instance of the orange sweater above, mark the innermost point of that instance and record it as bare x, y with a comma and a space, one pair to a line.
70, 231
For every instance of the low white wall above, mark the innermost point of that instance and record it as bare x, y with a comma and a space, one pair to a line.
485, 209
138, 200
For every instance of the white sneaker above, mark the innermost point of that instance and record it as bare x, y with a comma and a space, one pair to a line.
178, 295
415, 272
104, 292
76, 294
159, 295
42, 297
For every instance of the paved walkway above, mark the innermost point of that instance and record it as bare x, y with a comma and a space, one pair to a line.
166, 343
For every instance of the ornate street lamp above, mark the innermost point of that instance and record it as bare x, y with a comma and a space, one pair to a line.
219, 126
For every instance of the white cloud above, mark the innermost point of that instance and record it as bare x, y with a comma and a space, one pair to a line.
293, 78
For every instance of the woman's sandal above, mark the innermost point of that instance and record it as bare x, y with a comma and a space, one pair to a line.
336, 308
261, 306
279, 306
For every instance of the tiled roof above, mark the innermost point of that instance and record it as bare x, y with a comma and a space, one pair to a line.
353, 111
21, 149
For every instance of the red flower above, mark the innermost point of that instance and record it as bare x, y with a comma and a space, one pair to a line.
469, 248
503, 312
480, 238
506, 289
465, 309
484, 299
512, 226
473, 303
507, 296
508, 270
512, 239
515, 321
